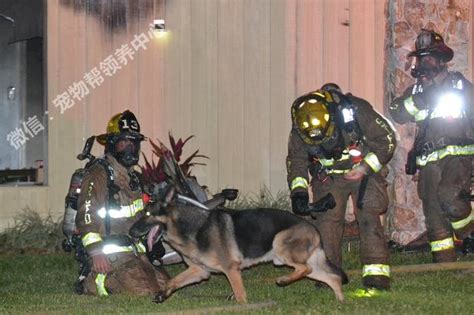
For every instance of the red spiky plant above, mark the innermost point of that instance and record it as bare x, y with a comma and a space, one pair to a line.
154, 172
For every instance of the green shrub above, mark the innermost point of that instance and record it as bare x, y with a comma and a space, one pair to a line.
263, 200
30, 232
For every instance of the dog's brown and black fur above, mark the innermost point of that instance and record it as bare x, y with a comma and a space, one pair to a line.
227, 241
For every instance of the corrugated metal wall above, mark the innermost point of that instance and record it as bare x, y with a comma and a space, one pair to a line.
227, 73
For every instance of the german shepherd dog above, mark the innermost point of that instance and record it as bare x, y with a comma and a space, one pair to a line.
226, 241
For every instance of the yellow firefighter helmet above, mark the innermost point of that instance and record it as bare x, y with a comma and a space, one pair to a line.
312, 118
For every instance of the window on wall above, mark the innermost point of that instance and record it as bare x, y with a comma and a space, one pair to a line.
23, 123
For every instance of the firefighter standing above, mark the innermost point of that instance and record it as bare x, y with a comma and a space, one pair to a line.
440, 103
110, 203
344, 144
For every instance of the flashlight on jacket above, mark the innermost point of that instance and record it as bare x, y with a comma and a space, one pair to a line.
449, 105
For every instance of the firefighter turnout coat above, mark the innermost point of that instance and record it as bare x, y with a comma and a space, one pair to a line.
444, 147
374, 140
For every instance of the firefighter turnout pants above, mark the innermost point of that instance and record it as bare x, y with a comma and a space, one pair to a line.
374, 253
444, 187
130, 274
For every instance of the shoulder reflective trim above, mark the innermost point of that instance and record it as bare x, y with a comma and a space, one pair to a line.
100, 284
376, 270
442, 153
413, 110
330, 162
125, 211
440, 245
410, 106
299, 182
464, 222
373, 161
113, 248
91, 238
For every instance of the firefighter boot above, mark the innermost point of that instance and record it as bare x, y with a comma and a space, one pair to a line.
468, 244
376, 282
448, 255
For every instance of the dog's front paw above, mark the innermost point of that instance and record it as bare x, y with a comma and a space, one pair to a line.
160, 297
282, 282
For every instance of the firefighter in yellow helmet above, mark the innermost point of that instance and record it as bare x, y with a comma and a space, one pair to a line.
343, 144
110, 202
441, 105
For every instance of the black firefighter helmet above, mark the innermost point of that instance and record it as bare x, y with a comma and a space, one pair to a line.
430, 44
122, 138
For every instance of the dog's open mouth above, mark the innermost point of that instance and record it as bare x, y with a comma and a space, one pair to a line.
154, 235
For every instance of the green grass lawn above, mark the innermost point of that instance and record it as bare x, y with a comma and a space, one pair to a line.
43, 284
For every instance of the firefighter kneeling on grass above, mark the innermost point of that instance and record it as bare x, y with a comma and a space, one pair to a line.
441, 105
110, 202
344, 144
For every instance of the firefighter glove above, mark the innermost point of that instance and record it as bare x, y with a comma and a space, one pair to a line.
323, 204
299, 203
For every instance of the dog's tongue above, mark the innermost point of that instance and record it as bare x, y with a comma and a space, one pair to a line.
153, 236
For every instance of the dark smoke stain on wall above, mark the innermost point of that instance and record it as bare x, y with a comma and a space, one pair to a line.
114, 15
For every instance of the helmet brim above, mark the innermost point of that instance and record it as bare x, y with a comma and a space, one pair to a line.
102, 139
443, 52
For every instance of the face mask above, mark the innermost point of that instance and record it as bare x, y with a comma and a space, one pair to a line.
426, 66
129, 155
127, 150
